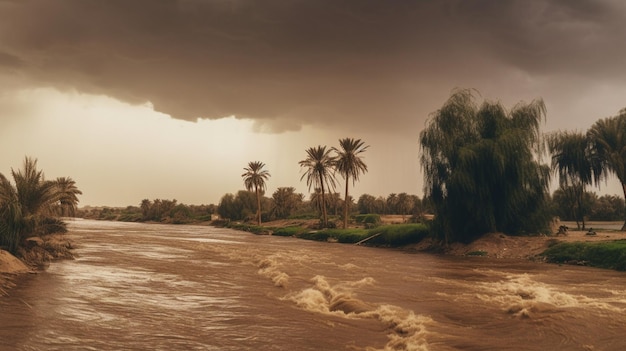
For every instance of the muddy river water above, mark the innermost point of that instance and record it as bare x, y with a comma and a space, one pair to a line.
161, 287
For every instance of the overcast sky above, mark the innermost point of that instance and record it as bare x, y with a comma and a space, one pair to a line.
139, 99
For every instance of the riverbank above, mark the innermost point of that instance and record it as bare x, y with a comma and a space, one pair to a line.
41, 251
606, 238
35, 256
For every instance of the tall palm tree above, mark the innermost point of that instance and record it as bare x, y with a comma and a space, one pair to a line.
254, 178
572, 160
350, 165
319, 173
608, 149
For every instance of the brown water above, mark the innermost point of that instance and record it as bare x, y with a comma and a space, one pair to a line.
161, 287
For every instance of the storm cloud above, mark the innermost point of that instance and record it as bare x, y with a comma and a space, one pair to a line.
285, 64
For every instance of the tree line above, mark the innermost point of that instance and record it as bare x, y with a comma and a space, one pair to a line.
321, 166
483, 170
285, 203
157, 210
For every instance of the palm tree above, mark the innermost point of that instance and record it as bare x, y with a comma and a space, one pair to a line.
26, 207
350, 165
608, 149
12, 223
319, 174
572, 160
68, 195
36, 195
254, 178
286, 200
405, 204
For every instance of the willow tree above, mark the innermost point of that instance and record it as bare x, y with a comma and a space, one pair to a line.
350, 165
608, 149
572, 160
319, 174
481, 168
254, 178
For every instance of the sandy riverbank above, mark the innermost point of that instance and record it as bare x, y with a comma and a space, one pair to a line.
37, 254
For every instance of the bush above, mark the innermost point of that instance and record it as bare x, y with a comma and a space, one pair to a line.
289, 231
50, 225
254, 229
370, 218
390, 235
399, 234
315, 235
611, 255
130, 217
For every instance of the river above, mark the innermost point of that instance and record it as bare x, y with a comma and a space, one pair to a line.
164, 287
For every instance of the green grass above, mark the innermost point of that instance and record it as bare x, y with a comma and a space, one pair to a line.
611, 255
289, 231
255, 229
400, 234
367, 218
389, 235
478, 253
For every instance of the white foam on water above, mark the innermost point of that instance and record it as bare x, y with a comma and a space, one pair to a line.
407, 331
269, 267
523, 296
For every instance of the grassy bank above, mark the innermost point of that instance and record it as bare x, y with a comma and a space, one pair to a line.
389, 235
610, 254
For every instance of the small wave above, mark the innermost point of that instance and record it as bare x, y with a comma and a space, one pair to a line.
407, 330
268, 267
524, 297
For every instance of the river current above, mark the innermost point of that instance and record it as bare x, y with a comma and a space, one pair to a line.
164, 287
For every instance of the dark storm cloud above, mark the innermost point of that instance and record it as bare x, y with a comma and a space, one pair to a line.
288, 63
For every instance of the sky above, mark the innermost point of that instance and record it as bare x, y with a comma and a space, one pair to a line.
171, 99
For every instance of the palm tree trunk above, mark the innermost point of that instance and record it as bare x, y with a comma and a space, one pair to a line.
346, 204
258, 205
324, 214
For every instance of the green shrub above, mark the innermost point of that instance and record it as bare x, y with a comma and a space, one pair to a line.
370, 218
315, 235
347, 236
255, 229
611, 255
477, 253
399, 234
289, 231
390, 235
130, 217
